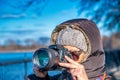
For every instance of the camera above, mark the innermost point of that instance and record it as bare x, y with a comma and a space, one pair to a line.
47, 58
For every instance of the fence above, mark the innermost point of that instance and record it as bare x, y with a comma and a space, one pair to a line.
15, 67
18, 69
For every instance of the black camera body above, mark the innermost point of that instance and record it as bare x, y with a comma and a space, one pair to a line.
48, 58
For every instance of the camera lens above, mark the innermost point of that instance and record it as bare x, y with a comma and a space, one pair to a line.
48, 58
41, 58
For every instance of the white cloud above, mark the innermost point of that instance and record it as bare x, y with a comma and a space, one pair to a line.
13, 15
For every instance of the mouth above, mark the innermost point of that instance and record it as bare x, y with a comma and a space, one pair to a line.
75, 57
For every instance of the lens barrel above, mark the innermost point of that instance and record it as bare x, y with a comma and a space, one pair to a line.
45, 58
48, 58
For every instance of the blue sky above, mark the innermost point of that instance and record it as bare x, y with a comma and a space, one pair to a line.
37, 20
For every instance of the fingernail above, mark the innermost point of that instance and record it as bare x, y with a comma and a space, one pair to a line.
65, 56
60, 64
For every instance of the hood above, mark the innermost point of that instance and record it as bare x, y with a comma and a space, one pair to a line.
94, 62
88, 28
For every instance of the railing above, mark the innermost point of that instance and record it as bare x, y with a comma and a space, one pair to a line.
17, 68
20, 68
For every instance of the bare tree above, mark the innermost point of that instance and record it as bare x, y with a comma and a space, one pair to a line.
106, 12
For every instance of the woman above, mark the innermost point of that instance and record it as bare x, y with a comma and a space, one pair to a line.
82, 38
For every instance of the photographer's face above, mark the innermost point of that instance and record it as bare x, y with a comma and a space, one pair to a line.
73, 51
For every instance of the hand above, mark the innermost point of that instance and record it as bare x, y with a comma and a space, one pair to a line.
77, 70
38, 73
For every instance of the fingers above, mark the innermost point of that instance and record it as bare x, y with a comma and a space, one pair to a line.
70, 60
71, 64
38, 73
67, 65
77, 70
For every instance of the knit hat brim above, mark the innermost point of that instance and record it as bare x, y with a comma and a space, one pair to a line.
72, 37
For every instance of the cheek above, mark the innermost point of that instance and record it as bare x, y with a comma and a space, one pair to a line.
81, 58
